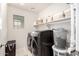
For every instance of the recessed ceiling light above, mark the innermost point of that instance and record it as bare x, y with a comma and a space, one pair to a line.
22, 4
32, 8
67, 3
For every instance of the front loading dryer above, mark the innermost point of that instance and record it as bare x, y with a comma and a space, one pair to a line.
45, 43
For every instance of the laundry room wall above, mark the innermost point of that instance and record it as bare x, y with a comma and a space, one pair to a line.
3, 30
51, 11
20, 35
0, 21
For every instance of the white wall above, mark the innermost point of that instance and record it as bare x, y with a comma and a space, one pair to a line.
3, 33
53, 9
20, 34
0, 21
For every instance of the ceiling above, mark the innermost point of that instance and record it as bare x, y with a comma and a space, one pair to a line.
34, 7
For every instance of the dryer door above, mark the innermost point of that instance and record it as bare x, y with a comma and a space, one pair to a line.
34, 47
29, 40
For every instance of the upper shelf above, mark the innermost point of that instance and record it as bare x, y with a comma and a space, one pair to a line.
60, 20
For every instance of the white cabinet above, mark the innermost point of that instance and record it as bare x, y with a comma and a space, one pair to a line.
59, 52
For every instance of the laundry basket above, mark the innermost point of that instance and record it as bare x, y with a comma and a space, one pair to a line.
59, 52
60, 38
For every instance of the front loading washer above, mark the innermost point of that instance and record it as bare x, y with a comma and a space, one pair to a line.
41, 44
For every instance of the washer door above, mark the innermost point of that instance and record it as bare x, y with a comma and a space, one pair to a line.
29, 40
34, 48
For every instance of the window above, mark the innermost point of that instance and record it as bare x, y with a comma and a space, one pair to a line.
18, 21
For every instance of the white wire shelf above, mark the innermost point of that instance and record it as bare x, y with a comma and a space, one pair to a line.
60, 20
